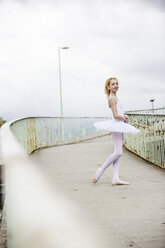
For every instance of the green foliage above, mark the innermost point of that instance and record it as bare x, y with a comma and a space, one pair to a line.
2, 121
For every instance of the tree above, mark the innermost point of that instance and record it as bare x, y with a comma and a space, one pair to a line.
2, 121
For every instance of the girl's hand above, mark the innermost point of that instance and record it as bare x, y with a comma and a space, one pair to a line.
126, 118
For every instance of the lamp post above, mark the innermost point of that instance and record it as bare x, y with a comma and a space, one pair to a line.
61, 102
152, 101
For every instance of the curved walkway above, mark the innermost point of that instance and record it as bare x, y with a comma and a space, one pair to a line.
128, 216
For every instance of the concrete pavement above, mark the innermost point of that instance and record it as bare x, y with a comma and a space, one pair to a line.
128, 216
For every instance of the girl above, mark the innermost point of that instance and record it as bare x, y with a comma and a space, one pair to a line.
117, 126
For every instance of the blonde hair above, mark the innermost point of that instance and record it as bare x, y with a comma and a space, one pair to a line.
107, 83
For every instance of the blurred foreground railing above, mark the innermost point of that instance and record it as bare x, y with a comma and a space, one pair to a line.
37, 215
150, 142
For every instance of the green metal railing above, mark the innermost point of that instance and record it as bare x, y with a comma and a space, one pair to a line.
150, 142
149, 111
38, 132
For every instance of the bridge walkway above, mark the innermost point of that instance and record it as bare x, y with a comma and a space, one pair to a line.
128, 216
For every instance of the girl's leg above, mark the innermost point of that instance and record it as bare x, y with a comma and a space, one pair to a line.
116, 163
115, 159
118, 142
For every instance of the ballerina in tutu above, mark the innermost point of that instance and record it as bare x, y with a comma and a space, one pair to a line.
117, 126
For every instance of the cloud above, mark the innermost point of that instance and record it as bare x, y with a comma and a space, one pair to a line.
159, 4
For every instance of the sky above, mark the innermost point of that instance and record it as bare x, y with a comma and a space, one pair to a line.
106, 38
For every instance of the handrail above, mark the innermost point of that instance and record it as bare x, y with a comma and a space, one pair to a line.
150, 111
149, 144
39, 132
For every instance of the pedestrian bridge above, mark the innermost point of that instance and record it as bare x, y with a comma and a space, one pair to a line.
50, 198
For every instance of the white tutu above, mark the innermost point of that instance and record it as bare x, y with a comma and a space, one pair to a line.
116, 125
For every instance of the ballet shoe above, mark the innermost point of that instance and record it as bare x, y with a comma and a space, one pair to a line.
96, 177
120, 182
94, 180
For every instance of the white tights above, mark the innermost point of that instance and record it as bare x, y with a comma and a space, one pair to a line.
113, 158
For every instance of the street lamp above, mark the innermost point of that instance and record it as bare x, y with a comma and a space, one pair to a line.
152, 101
61, 102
